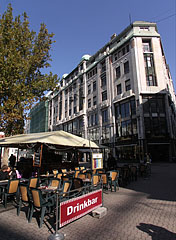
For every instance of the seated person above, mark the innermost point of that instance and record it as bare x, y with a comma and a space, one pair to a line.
4, 172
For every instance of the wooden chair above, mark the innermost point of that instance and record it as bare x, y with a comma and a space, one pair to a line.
24, 199
82, 175
77, 185
39, 203
55, 171
133, 170
76, 173
113, 180
59, 175
104, 179
10, 190
54, 182
33, 182
89, 175
64, 170
65, 190
95, 181
76, 168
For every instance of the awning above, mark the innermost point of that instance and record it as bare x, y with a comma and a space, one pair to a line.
59, 139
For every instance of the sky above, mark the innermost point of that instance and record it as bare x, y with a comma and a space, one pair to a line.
83, 27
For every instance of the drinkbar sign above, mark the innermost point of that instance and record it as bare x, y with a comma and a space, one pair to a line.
77, 207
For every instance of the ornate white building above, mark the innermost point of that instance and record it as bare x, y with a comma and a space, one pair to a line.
122, 97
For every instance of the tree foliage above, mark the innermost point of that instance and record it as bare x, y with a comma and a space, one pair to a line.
23, 55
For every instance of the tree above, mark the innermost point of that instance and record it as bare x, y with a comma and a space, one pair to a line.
23, 54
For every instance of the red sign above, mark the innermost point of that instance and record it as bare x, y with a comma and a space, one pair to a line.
77, 207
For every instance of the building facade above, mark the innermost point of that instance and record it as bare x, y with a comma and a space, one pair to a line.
38, 118
122, 97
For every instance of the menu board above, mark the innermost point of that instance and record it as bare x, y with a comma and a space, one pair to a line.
97, 160
38, 157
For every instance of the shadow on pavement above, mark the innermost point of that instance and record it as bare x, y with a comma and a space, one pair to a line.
160, 185
156, 232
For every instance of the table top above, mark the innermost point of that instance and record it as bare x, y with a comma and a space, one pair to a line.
3, 182
47, 189
47, 175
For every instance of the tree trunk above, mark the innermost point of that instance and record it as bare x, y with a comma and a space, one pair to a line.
5, 157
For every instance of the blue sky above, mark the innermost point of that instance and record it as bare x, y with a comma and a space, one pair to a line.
83, 27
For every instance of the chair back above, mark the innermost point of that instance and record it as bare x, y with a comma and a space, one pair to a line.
94, 171
82, 168
77, 183
134, 169
55, 171
99, 171
89, 175
64, 170
65, 179
33, 182
95, 179
36, 196
55, 182
66, 187
24, 193
104, 178
76, 168
13, 185
59, 175
82, 175
76, 173
114, 175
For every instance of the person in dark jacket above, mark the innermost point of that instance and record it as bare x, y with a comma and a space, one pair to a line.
4, 172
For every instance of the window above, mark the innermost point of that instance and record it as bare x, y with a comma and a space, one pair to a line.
126, 67
75, 99
127, 85
151, 81
94, 100
125, 110
70, 112
146, 45
119, 89
92, 73
118, 72
96, 119
133, 107
65, 104
103, 79
103, 66
89, 89
105, 116
75, 109
89, 103
94, 86
115, 57
104, 95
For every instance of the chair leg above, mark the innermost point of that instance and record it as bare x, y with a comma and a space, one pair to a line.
19, 208
5, 200
42, 215
31, 214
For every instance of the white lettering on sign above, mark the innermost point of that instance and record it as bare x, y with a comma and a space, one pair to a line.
81, 206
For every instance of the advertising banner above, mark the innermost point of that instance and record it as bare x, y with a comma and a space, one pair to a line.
97, 160
77, 207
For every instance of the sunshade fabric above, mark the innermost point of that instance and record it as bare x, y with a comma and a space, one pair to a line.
57, 138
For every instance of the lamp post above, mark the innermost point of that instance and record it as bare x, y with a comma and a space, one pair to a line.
56, 235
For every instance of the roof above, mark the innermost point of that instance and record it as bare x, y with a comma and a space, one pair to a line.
59, 139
